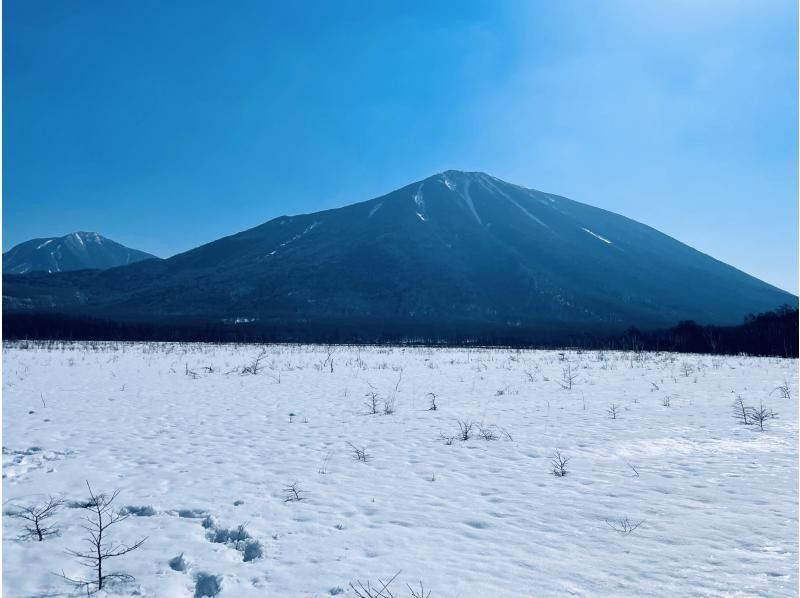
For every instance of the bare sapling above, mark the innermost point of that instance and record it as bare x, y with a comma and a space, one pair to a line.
568, 377
98, 522
762, 414
38, 517
559, 463
433, 406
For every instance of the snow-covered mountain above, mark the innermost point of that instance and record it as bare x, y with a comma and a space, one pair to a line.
75, 251
458, 253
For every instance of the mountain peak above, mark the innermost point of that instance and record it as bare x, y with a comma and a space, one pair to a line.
79, 250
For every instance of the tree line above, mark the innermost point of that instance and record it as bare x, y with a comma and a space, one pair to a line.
773, 333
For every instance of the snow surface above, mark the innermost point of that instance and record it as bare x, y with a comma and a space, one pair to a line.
418, 197
596, 236
197, 448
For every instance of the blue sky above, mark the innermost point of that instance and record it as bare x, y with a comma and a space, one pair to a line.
164, 125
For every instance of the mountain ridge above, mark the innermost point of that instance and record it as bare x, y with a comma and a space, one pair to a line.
79, 250
462, 249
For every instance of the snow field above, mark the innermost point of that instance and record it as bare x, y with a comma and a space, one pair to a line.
197, 448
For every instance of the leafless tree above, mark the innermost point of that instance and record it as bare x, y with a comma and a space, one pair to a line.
372, 403
559, 463
101, 517
568, 377
761, 414
741, 412
37, 516
613, 410
711, 339
329, 358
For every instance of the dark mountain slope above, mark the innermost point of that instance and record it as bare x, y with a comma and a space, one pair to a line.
462, 249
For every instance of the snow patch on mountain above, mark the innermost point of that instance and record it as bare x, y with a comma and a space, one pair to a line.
448, 182
492, 188
596, 236
468, 200
296, 237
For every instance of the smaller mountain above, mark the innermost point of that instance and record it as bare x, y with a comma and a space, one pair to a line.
75, 251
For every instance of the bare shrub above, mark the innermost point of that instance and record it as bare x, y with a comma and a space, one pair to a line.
293, 493
506, 434
613, 411
465, 428
379, 590
433, 406
323, 469
487, 432
101, 517
421, 593
359, 453
37, 516
559, 463
624, 526
388, 406
667, 401
372, 403
255, 366
783, 390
